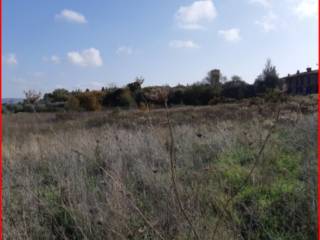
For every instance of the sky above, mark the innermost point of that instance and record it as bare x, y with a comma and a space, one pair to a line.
79, 44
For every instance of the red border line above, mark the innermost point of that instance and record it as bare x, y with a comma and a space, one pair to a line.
1, 179
318, 125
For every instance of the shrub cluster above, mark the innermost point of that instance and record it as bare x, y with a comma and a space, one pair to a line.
214, 89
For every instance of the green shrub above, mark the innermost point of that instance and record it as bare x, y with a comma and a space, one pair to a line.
126, 99
176, 96
41, 108
119, 98
275, 96
58, 218
29, 108
199, 94
58, 95
236, 89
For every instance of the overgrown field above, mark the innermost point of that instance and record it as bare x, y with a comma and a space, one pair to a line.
232, 171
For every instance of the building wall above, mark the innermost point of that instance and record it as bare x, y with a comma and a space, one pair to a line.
305, 83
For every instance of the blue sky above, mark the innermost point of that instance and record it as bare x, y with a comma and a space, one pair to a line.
89, 44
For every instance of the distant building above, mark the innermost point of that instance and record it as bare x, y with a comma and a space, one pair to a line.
301, 83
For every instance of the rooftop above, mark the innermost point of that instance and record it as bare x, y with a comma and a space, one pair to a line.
307, 72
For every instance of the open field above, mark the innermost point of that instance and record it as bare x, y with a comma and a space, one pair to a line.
231, 171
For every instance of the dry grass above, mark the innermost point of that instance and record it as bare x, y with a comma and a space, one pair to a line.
107, 175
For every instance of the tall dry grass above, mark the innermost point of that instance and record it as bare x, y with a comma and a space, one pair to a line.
109, 175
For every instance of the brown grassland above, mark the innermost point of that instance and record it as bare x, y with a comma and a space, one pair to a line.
245, 170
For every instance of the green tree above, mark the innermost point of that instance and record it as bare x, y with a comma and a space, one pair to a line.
236, 88
236, 78
268, 79
58, 95
136, 85
199, 94
213, 78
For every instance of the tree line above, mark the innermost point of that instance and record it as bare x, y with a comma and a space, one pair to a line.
213, 89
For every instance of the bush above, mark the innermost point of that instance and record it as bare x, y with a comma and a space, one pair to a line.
6, 108
88, 101
236, 89
119, 98
99, 95
17, 108
41, 108
176, 96
29, 108
73, 104
58, 95
125, 99
199, 94
275, 96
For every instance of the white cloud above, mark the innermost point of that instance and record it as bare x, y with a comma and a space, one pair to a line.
196, 14
10, 59
124, 50
183, 44
264, 3
268, 22
306, 8
230, 35
71, 16
86, 58
55, 59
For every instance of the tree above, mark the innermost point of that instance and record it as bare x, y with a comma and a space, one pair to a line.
60, 95
236, 88
213, 78
32, 96
176, 95
236, 78
136, 85
268, 79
